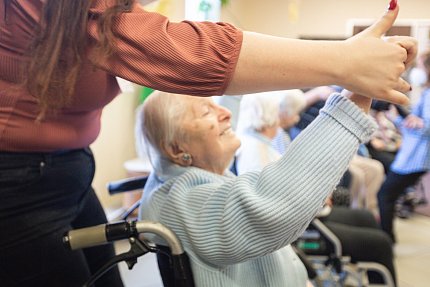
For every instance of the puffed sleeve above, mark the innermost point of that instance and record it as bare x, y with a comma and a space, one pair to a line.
196, 58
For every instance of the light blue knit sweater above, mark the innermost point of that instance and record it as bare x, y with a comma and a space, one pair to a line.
234, 228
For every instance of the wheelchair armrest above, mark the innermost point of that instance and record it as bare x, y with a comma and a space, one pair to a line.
175, 270
127, 184
329, 235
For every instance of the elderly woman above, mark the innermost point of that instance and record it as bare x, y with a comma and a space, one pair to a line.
235, 229
258, 125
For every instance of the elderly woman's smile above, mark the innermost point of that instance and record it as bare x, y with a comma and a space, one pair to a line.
197, 131
209, 138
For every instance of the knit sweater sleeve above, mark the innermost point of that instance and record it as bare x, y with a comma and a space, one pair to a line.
196, 58
254, 214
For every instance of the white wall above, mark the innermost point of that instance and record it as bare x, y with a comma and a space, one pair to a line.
315, 17
114, 146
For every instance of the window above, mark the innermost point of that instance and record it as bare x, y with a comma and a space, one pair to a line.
202, 10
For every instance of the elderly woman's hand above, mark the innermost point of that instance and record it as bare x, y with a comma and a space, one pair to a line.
380, 76
362, 102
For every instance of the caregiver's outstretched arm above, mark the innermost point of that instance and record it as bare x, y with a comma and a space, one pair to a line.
364, 64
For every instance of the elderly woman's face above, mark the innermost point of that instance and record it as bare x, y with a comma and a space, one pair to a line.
210, 139
287, 121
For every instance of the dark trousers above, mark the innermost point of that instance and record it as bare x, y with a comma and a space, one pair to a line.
362, 238
42, 196
394, 185
385, 157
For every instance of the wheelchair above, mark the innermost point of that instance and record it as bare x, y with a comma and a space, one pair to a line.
173, 262
324, 250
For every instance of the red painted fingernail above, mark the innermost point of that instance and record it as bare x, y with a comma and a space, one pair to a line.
393, 5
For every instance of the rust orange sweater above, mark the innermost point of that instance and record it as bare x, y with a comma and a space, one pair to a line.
195, 58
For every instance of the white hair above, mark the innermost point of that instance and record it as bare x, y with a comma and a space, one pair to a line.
293, 102
158, 123
258, 111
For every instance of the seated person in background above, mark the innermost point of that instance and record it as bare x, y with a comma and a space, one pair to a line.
314, 101
235, 228
413, 158
367, 174
260, 116
257, 127
291, 105
387, 139
367, 177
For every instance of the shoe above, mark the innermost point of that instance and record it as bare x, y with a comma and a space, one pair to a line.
404, 213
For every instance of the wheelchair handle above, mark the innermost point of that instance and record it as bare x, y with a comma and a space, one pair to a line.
104, 233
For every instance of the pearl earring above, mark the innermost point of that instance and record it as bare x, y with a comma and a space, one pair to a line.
186, 157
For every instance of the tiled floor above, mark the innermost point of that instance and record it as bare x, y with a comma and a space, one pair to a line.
412, 257
413, 251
